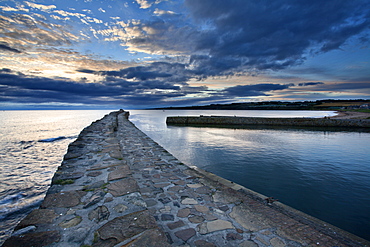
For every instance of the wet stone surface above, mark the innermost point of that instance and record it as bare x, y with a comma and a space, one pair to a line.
126, 190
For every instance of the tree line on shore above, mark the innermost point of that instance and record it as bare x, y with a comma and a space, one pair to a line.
329, 104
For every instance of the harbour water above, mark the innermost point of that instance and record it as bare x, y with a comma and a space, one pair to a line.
323, 173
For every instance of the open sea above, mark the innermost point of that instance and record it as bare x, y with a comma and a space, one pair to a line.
321, 172
32, 146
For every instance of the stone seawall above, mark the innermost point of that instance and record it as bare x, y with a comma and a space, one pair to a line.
117, 187
303, 122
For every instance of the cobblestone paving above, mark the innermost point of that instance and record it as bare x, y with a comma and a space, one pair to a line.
117, 187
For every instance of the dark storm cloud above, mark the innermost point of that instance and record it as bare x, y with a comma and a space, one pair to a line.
256, 34
139, 72
178, 73
16, 87
5, 47
279, 30
140, 85
110, 87
166, 72
229, 37
5, 70
116, 89
254, 90
204, 66
309, 83
47, 84
196, 67
88, 71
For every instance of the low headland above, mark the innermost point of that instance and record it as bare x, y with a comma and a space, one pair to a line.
325, 105
117, 187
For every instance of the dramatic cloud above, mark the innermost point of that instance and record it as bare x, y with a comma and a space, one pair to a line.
309, 84
278, 33
253, 90
16, 81
117, 88
23, 29
138, 73
113, 91
239, 36
155, 37
5, 47
179, 52
165, 71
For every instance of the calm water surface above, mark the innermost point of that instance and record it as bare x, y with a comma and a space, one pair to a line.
323, 173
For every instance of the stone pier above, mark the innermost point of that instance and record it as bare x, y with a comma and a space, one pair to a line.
261, 121
117, 187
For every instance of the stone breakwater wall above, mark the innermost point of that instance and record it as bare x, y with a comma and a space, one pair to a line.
117, 187
304, 122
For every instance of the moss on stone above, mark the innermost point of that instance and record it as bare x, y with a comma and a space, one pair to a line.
104, 186
87, 189
96, 237
64, 181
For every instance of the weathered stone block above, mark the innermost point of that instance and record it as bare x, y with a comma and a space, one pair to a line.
189, 201
34, 239
185, 234
71, 222
175, 225
99, 214
203, 243
96, 197
122, 171
37, 217
65, 199
213, 226
123, 187
152, 237
125, 227
183, 212
167, 217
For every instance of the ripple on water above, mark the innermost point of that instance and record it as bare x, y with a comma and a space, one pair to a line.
28, 165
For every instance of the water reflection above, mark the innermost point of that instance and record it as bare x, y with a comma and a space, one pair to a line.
323, 173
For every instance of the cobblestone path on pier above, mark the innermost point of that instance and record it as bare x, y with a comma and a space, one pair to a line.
117, 187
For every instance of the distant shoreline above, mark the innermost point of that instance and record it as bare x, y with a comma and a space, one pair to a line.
351, 115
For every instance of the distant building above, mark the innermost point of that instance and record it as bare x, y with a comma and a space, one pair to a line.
354, 107
365, 106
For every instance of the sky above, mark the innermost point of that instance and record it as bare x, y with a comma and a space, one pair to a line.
90, 54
